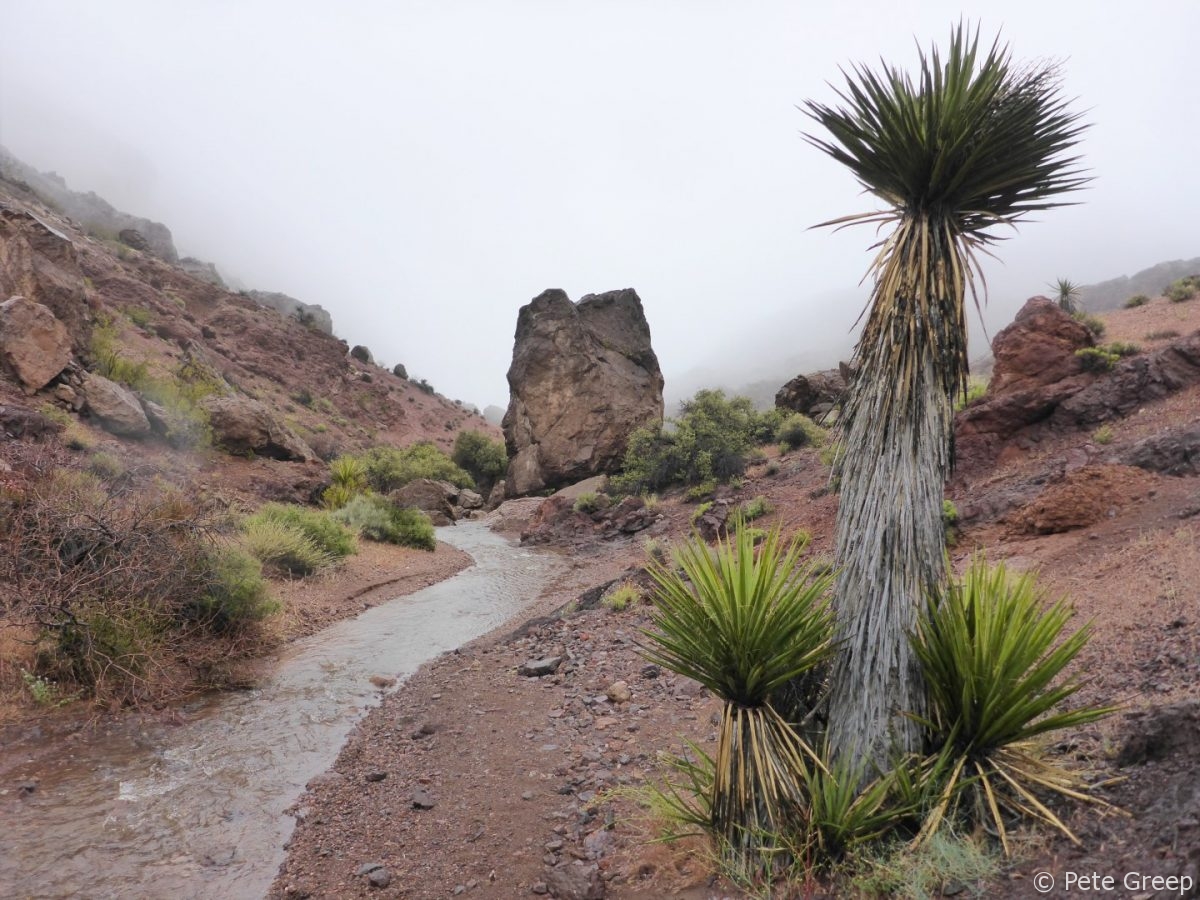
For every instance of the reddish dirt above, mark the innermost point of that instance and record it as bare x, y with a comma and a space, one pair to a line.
528, 775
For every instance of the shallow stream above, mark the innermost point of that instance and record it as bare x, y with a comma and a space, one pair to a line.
197, 810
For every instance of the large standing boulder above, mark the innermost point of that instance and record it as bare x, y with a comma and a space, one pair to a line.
243, 425
583, 377
116, 408
33, 343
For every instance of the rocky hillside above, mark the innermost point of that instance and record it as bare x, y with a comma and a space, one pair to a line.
1113, 293
128, 351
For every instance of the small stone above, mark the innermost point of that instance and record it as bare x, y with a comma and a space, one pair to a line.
527, 795
539, 887
383, 682
379, 878
605, 722
618, 692
424, 730
459, 889
651, 671
376, 776
535, 668
368, 868
421, 799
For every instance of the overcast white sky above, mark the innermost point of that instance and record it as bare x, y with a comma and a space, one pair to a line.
424, 169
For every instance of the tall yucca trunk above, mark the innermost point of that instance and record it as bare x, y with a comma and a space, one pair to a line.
898, 432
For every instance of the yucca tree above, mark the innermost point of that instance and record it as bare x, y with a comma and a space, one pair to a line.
970, 144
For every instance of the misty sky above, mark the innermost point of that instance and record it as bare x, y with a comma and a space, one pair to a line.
424, 169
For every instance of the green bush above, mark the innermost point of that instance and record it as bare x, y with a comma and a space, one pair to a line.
1090, 322
976, 391
377, 518
1097, 359
389, 468
755, 509
237, 595
708, 442
799, 431
990, 651
589, 502
1122, 348
1103, 435
1183, 289
317, 525
282, 548
621, 596
481, 457
105, 465
1136, 300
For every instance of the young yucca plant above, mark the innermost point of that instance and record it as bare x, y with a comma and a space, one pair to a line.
744, 624
990, 651
1066, 295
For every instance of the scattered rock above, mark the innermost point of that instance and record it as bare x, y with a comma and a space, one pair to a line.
311, 314
434, 498
375, 776
583, 377
375, 873
815, 394
618, 692
116, 408
468, 499
362, 354
243, 425
204, 271
574, 881
1084, 497
421, 799
535, 668
1157, 733
400, 372
131, 237
34, 345
1174, 452
41, 263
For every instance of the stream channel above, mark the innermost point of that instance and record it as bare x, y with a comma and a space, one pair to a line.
197, 810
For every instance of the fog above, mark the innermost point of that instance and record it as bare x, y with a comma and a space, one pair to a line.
423, 169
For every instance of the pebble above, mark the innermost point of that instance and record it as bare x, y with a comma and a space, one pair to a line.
535, 668
618, 692
383, 682
421, 799
376, 776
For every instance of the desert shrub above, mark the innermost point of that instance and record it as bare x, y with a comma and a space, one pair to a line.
798, 430
1136, 300
621, 596
108, 577
589, 502
772, 467
481, 457
832, 453
1103, 435
1122, 348
1092, 323
424, 386
237, 594
991, 650
976, 391
755, 509
105, 465
698, 492
651, 502
950, 521
1162, 335
764, 428
377, 518
700, 511
707, 442
389, 468
282, 549
1183, 289
1096, 359
330, 537
139, 316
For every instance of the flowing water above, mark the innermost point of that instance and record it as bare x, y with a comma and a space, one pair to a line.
197, 810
